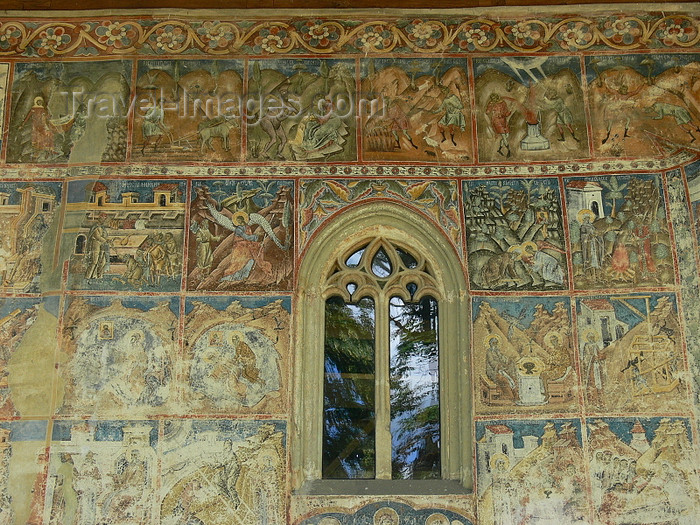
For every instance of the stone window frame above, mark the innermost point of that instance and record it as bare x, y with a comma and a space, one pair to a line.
348, 229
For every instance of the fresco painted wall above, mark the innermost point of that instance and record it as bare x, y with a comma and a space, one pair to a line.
162, 176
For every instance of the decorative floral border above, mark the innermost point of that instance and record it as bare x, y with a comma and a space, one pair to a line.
362, 171
123, 36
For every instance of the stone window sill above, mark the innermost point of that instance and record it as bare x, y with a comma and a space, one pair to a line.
379, 487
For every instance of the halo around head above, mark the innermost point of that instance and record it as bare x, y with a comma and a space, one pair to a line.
499, 461
386, 513
437, 519
590, 335
582, 214
554, 339
491, 337
329, 521
529, 245
239, 215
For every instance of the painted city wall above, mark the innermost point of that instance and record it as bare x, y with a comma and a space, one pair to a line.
161, 177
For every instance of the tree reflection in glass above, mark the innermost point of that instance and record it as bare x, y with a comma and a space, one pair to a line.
349, 400
415, 409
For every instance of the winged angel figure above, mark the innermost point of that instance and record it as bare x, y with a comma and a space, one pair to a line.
248, 247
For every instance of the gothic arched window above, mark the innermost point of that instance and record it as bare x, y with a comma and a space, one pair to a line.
382, 379
381, 387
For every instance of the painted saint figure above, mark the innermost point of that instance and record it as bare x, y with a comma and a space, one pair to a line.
619, 104
398, 121
386, 516
172, 255
592, 244
88, 485
498, 366
97, 249
204, 239
130, 488
65, 486
246, 252
595, 370
319, 134
276, 109
642, 235
229, 472
246, 359
43, 131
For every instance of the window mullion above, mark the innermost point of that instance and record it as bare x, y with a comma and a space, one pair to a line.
382, 390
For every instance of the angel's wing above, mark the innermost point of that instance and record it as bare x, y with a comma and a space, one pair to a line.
220, 218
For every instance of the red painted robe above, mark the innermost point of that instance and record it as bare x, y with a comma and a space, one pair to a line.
42, 131
499, 113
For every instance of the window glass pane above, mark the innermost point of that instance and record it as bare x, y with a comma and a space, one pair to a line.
407, 259
415, 409
354, 259
381, 264
348, 395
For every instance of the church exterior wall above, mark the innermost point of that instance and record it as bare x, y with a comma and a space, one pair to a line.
163, 176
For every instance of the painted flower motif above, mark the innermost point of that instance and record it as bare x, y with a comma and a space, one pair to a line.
476, 36
51, 40
272, 39
216, 35
114, 34
374, 37
621, 31
318, 31
575, 35
674, 31
525, 34
169, 38
424, 34
271, 43
319, 34
622, 27
10, 37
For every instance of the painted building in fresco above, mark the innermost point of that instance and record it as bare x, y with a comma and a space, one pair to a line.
162, 179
